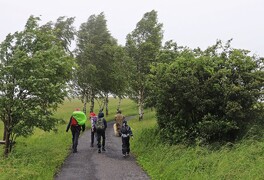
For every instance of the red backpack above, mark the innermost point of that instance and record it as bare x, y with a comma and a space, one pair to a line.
73, 122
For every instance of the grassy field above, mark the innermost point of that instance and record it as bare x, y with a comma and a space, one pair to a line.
40, 156
241, 161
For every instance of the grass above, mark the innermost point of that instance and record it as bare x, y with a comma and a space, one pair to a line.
40, 155
244, 160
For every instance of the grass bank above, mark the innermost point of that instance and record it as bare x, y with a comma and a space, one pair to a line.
40, 155
244, 160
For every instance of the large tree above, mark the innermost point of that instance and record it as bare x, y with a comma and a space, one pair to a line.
143, 45
94, 54
34, 69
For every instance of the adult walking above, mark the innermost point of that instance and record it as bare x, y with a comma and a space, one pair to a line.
76, 123
119, 118
101, 126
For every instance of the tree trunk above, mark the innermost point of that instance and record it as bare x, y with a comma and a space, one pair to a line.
8, 131
140, 105
5, 131
92, 104
84, 105
7, 143
106, 105
119, 104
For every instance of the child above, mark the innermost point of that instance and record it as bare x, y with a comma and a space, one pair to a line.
93, 119
101, 126
126, 132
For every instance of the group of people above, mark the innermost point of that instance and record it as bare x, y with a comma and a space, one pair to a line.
98, 128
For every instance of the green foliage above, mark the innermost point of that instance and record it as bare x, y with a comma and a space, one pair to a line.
162, 161
142, 46
121, 72
34, 70
210, 95
95, 56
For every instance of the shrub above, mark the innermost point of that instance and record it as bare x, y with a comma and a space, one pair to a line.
210, 95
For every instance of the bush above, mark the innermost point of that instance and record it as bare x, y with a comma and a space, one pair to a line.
210, 96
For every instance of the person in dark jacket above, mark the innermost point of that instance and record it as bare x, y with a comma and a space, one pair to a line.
126, 133
101, 126
75, 129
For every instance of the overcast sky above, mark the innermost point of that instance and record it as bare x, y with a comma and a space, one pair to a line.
192, 23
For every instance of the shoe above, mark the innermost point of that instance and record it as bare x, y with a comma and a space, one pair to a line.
124, 155
74, 151
99, 150
103, 149
92, 145
127, 154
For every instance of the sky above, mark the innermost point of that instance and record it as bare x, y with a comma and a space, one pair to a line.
191, 23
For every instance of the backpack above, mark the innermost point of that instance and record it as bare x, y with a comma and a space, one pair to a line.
99, 125
119, 119
80, 117
73, 122
125, 130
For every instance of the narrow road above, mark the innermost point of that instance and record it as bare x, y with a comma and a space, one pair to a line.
88, 164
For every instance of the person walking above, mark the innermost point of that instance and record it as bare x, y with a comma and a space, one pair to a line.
119, 118
93, 119
101, 126
76, 123
126, 133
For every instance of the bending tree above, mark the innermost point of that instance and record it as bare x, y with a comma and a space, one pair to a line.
34, 69
94, 55
143, 45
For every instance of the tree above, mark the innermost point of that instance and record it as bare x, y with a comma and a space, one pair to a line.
94, 54
211, 95
34, 70
65, 31
143, 45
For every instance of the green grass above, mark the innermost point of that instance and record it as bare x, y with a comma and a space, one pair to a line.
40, 155
242, 161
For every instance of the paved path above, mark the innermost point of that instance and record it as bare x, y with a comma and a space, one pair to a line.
110, 165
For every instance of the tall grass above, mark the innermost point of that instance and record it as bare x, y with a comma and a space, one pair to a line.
244, 160
40, 155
